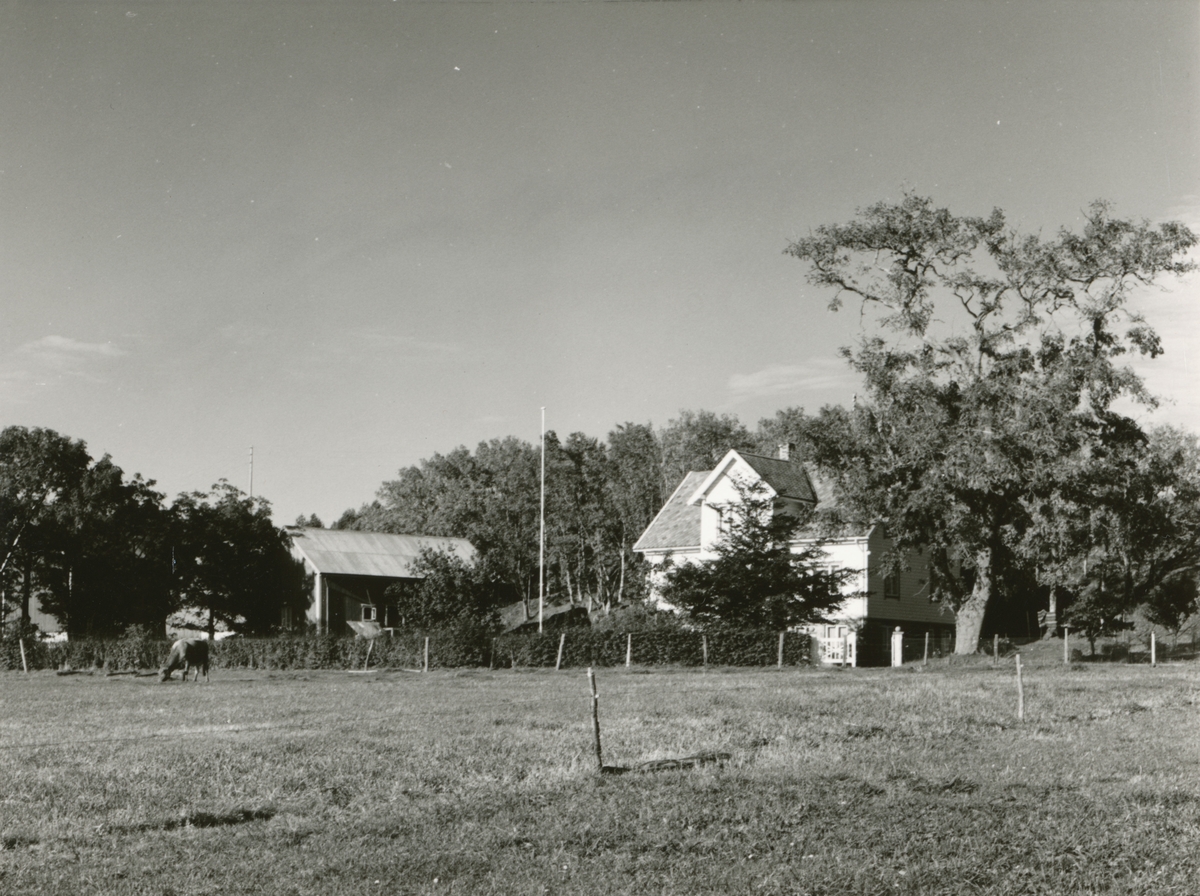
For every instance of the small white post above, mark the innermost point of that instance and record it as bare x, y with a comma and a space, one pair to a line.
24, 664
898, 647
925, 662
425, 668
562, 639
628, 650
779, 660
995, 649
1153, 651
1066, 645
704, 648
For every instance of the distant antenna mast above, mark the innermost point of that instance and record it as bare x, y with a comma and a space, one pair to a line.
542, 532
251, 471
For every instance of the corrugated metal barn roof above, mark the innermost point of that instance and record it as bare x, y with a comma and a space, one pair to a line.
347, 552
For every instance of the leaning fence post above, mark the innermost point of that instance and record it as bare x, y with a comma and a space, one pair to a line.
24, 664
779, 660
628, 650
562, 639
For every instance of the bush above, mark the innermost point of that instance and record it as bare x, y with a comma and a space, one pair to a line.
136, 649
16, 634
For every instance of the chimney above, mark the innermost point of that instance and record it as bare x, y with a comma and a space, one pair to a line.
786, 450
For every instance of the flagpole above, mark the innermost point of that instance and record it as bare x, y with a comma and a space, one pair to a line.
542, 532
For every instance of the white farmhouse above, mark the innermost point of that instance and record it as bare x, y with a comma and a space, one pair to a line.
690, 524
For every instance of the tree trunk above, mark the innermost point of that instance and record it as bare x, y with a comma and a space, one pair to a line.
621, 584
969, 620
26, 591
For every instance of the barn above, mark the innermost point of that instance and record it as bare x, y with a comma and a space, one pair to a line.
351, 571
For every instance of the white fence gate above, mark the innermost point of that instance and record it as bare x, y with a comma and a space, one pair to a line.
839, 645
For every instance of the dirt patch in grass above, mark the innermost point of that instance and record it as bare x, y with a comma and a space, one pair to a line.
195, 818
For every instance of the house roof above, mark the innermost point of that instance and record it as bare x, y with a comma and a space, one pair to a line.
678, 523
677, 526
787, 478
348, 552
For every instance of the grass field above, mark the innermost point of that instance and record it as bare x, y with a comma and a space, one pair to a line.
913, 781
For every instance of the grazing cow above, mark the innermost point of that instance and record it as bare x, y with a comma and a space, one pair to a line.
187, 653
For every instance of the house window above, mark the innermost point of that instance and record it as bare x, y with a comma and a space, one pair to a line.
368, 613
891, 587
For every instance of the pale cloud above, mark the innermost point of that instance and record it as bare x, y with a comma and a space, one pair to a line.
784, 379
1174, 376
381, 339
1172, 307
43, 362
63, 352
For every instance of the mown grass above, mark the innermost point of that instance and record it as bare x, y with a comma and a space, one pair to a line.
915, 781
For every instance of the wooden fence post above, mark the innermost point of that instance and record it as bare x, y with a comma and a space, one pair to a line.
24, 664
995, 650
1066, 645
1020, 693
628, 650
562, 639
596, 719
704, 648
926, 660
1153, 651
779, 662
426, 666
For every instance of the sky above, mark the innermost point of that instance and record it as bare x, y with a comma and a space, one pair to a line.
354, 234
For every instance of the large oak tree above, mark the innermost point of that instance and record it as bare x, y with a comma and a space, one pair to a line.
992, 363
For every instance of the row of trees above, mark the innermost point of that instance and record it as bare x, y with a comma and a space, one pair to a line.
993, 429
101, 551
600, 496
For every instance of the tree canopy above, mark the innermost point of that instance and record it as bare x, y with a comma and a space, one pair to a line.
102, 551
992, 365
